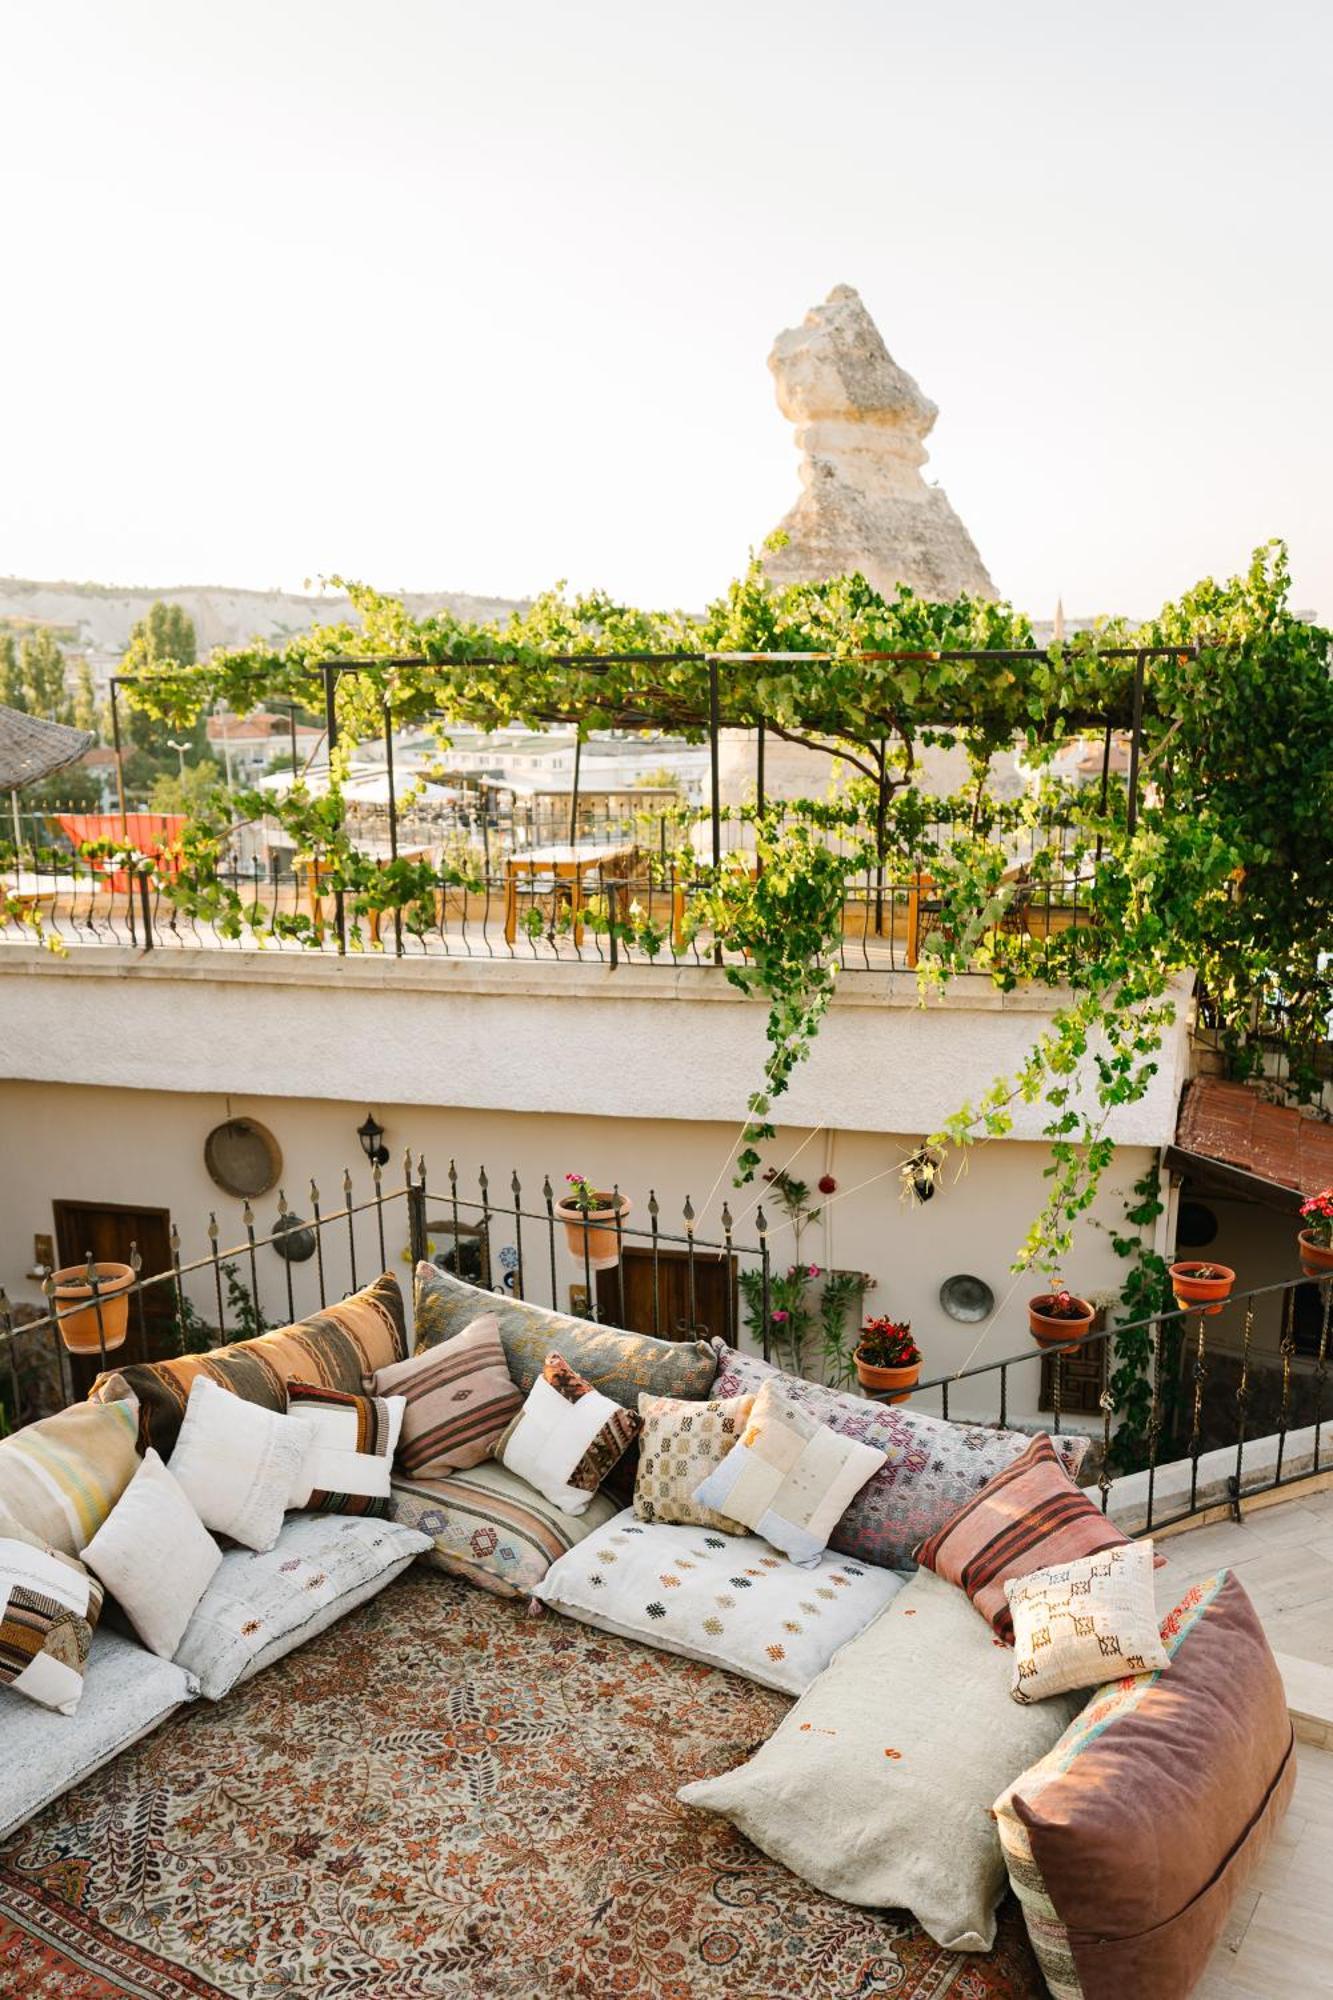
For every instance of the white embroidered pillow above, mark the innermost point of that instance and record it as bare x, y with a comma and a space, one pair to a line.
1080, 1624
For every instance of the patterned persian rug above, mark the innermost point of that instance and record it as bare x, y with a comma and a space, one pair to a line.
444, 1796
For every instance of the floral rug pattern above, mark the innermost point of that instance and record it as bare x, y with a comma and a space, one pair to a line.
446, 1796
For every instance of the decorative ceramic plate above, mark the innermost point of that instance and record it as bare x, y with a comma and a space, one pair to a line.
967, 1298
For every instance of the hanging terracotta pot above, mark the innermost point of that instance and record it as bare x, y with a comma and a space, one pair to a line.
903, 1380
1202, 1286
79, 1330
1316, 1258
594, 1228
1062, 1329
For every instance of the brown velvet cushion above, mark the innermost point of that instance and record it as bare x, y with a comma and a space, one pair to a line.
1128, 1844
336, 1349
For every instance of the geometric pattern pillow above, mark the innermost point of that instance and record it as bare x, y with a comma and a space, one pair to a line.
492, 1527
567, 1436
1079, 1621
680, 1445
48, 1607
351, 1450
459, 1400
930, 1466
788, 1478
1030, 1517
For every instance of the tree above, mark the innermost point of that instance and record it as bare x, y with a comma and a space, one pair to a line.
11, 681
192, 790
85, 698
42, 673
162, 641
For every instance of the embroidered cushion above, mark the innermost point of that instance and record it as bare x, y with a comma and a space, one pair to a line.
1079, 1621
681, 1443
61, 1477
620, 1364
240, 1466
458, 1400
1129, 1842
490, 1526
338, 1347
155, 1556
724, 1599
930, 1467
1029, 1517
49, 1606
877, 1786
788, 1477
567, 1437
262, 1605
349, 1454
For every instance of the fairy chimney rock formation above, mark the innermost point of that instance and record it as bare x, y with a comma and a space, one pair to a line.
861, 425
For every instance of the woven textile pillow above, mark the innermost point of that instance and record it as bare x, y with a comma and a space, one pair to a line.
458, 1400
567, 1437
622, 1365
49, 1606
930, 1467
1130, 1841
490, 1526
1079, 1621
61, 1477
339, 1347
788, 1477
681, 1443
155, 1556
1031, 1516
349, 1454
241, 1467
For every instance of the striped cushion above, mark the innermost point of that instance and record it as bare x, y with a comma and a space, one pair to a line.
351, 1449
490, 1526
1030, 1516
339, 1346
49, 1605
459, 1398
61, 1477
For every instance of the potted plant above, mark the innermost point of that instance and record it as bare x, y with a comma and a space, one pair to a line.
589, 1215
80, 1330
1315, 1241
1206, 1286
1059, 1317
887, 1357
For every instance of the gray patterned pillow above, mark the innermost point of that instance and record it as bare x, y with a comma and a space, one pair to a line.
933, 1467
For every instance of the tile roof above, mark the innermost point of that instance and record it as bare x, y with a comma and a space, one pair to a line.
1231, 1122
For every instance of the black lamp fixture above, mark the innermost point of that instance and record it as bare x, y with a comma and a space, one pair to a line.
371, 1135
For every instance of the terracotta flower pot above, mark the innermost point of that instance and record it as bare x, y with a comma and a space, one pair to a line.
904, 1380
1049, 1331
80, 1330
596, 1229
1316, 1258
1207, 1294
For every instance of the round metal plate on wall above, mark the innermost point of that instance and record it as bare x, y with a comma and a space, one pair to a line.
966, 1298
293, 1238
243, 1158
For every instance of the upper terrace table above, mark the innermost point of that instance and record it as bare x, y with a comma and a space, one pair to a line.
565, 862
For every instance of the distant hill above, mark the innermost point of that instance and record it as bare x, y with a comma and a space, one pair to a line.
98, 617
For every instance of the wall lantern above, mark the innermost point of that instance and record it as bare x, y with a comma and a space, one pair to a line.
371, 1136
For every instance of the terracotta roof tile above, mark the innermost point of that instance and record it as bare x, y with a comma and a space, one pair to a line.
1231, 1122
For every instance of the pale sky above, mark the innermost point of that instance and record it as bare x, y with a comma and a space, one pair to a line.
478, 296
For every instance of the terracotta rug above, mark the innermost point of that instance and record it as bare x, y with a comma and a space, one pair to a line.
444, 1796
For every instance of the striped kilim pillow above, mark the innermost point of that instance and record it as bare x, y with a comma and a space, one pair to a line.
351, 1448
49, 1605
459, 1399
1030, 1516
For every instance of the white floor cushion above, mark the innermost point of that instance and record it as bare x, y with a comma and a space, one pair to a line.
877, 1786
260, 1606
725, 1599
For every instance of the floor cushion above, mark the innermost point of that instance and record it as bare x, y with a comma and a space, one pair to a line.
490, 1526
1129, 1842
931, 1467
877, 1786
337, 1347
725, 1599
127, 1692
260, 1606
459, 1399
619, 1364
61, 1477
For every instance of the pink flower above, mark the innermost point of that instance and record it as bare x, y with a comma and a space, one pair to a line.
779, 1315
812, 1270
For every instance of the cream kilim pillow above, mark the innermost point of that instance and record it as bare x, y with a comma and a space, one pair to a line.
1080, 1624
679, 1446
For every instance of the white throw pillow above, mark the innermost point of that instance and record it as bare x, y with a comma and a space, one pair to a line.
551, 1436
724, 1599
155, 1556
788, 1476
352, 1440
49, 1606
1077, 1623
241, 1466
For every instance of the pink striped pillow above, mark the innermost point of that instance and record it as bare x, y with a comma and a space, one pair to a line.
1030, 1516
459, 1400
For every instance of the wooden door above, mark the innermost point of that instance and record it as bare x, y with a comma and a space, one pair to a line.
107, 1231
690, 1304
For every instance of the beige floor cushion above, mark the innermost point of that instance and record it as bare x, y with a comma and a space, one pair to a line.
877, 1787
